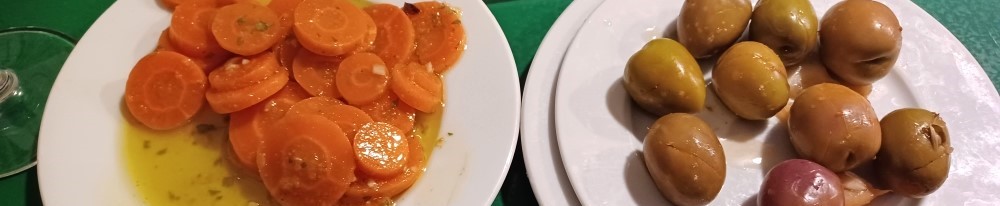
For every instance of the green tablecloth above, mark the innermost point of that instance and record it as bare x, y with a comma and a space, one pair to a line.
525, 22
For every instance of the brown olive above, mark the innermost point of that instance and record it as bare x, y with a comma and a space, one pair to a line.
751, 81
706, 27
662, 77
860, 41
916, 151
800, 182
834, 126
787, 26
685, 159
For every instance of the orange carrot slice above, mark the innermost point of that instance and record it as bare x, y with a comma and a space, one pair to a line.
248, 127
207, 63
418, 86
237, 86
368, 187
190, 30
306, 161
172, 4
285, 10
349, 118
164, 90
440, 36
394, 41
316, 73
381, 150
388, 108
361, 78
286, 50
330, 27
246, 28
242, 72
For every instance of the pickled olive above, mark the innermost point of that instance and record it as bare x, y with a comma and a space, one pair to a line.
706, 27
916, 151
860, 41
685, 159
834, 126
800, 182
751, 81
662, 78
789, 27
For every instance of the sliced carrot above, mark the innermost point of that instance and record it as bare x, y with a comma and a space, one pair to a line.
242, 72
381, 150
246, 28
330, 27
307, 160
285, 10
316, 73
349, 118
228, 2
164, 90
418, 86
248, 127
367, 43
368, 187
191, 30
361, 78
394, 41
440, 36
207, 63
236, 87
286, 50
387, 108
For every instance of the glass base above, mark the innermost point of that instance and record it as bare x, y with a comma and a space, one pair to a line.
35, 56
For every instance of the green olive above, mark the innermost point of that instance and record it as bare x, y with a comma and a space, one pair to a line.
834, 126
663, 78
706, 27
916, 151
860, 41
789, 27
685, 159
751, 81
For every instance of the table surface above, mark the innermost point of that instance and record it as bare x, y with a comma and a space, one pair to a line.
525, 22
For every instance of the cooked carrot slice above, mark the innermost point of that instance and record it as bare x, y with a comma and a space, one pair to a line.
440, 36
388, 108
191, 30
368, 187
381, 150
207, 63
246, 28
361, 78
394, 41
228, 2
286, 50
242, 72
248, 127
418, 86
349, 118
164, 90
306, 161
330, 27
237, 86
285, 10
316, 73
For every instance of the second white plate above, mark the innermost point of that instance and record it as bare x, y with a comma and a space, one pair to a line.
600, 131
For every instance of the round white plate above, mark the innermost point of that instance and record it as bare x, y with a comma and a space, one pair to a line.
80, 141
600, 131
538, 134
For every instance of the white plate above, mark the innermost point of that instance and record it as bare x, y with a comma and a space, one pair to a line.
80, 140
600, 132
541, 154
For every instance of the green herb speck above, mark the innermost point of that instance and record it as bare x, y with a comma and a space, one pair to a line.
450, 134
261, 26
241, 21
162, 151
